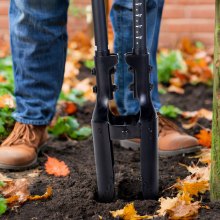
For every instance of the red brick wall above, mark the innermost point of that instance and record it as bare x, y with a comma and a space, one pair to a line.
188, 18
181, 18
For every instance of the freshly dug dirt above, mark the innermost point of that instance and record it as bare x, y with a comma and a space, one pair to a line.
74, 197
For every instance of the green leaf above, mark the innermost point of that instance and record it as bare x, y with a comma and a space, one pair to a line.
170, 111
169, 62
200, 45
2, 183
3, 206
75, 96
64, 126
6, 121
162, 91
89, 64
6, 70
82, 133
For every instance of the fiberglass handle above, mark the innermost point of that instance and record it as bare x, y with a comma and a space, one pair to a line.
139, 26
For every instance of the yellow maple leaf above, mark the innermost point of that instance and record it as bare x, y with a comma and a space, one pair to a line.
129, 213
192, 187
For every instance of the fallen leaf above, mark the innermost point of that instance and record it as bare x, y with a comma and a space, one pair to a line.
202, 113
176, 208
7, 100
70, 108
129, 213
46, 195
204, 156
205, 138
4, 178
17, 188
201, 173
175, 89
195, 116
192, 187
55, 167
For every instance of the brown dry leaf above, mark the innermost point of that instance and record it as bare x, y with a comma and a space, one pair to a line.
173, 88
176, 208
205, 138
194, 117
187, 46
17, 188
129, 213
202, 113
4, 178
204, 156
191, 123
201, 173
86, 86
46, 195
55, 167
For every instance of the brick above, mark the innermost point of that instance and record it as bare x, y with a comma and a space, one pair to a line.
189, 18
4, 22
4, 8
188, 25
190, 2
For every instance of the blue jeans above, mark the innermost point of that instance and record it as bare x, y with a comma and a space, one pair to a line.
121, 17
38, 44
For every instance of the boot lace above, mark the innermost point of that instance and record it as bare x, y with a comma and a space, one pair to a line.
167, 125
21, 134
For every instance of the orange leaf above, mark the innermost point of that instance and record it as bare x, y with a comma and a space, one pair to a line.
129, 213
6, 100
70, 108
46, 195
55, 167
205, 138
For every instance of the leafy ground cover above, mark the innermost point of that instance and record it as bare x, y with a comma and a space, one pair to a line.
74, 196
63, 186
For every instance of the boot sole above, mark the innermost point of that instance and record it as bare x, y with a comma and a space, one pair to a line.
33, 163
136, 146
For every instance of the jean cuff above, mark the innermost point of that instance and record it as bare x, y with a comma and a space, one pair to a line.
31, 122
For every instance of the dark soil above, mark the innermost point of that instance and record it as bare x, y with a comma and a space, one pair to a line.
74, 197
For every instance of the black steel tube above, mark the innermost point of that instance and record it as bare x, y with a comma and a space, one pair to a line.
139, 26
100, 27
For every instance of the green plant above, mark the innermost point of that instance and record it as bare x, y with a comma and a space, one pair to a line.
3, 206
6, 70
69, 126
76, 11
89, 64
75, 96
6, 121
170, 111
167, 63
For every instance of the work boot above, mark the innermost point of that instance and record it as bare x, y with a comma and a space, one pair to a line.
171, 141
20, 150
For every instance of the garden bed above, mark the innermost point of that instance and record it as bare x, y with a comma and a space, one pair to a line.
74, 197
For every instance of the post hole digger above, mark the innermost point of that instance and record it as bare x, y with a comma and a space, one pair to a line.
106, 126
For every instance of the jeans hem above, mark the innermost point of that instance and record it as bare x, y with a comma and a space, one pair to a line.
31, 122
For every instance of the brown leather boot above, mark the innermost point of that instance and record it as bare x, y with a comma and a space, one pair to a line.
172, 141
20, 150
